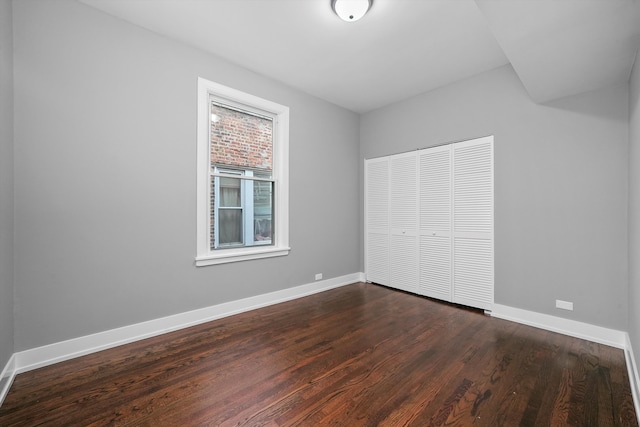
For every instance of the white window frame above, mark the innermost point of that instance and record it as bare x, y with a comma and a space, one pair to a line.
208, 91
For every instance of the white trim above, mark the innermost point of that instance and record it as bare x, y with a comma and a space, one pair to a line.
203, 202
573, 328
280, 114
632, 371
57, 352
7, 377
248, 253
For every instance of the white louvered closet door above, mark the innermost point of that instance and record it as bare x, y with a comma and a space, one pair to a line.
435, 222
473, 274
377, 220
403, 198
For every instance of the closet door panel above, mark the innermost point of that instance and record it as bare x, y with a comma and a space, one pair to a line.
403, 198
377, 221
473, 277
435, 222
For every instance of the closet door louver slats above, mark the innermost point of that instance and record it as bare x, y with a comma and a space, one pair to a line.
435, 267
377, 221
473, 274
404, 260
403, 192
403, 221
435, 223
473, 188
378, 258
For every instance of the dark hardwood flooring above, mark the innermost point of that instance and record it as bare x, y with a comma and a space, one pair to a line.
360, 355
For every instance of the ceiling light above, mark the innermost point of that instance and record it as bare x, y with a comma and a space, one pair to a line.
350, 10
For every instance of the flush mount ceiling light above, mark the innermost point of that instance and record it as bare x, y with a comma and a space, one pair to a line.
350, 10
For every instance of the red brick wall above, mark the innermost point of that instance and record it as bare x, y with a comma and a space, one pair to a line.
240, 140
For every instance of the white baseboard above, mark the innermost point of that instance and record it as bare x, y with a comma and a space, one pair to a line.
6, 377
573, 328
57, 352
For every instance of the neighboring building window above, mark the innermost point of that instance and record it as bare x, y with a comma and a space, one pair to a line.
242, 176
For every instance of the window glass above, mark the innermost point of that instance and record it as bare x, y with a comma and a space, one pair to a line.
230, 226
241, 140
241, 145
262, 211
230, 193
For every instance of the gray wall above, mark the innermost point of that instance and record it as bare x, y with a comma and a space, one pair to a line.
634, 210
105, 150
6, 184
560, 186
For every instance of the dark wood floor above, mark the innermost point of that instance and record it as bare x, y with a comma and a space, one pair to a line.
354, 356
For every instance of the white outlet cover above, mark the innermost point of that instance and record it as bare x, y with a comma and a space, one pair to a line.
565, 305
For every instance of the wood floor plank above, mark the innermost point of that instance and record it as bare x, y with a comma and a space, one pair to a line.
359, 355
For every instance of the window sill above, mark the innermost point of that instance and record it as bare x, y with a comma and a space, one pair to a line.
243, 254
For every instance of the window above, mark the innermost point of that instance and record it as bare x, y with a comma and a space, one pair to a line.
242, 215
242, 184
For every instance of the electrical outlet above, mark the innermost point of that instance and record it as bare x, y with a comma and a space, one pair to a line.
319, 276
565, 305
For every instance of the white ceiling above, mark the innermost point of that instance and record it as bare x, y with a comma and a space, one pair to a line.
405, 47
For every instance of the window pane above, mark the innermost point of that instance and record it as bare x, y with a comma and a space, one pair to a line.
241, 140
262, 210
230, 223
241, 143
230, 193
